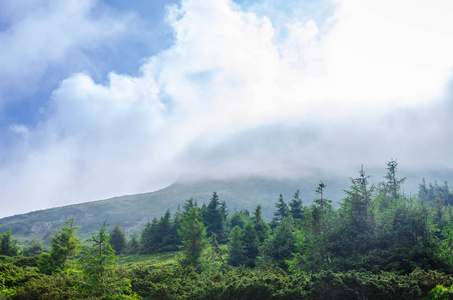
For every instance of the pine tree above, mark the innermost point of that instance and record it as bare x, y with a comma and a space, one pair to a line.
281, 245
250, 242
296, 206
133, 244
357, 205
164, 236
174, 238
282, 209
96, 262
193, 236
236, 256
118, 240
261, 227
281, 212
393, 184
8, 245
149, 237
214, 217
63, 245
239, 218
358, 226
423, 191
313, 239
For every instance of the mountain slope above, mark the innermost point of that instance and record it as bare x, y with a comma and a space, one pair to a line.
133, 211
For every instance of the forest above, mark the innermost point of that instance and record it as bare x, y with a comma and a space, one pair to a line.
379, 243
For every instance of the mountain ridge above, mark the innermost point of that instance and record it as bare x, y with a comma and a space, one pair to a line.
133, 211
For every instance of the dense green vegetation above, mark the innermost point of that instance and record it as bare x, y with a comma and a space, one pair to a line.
132, 212
379, 244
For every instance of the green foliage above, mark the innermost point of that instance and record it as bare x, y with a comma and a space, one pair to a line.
313, 238
281, 212
33, 248
379, 245
236, 256
161, 235
133, 245
8, 245
274, 283
215, 255
296, 207
193, 236
239, 218
96, 262
63, 245
215, 218
261, 227
57, 286
279, 248
440, 292
118, 240
250, 242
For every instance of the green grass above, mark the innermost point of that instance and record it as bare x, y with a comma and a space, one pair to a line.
149, 260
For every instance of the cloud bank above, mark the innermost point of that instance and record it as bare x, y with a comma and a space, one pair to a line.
242, 93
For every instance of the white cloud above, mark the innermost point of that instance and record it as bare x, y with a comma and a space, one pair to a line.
42, 34
213, 96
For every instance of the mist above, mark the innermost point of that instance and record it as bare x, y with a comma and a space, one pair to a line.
241, 92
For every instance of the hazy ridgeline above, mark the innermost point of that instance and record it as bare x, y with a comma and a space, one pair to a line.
379, 243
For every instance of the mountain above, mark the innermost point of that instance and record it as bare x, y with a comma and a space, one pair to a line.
133, 211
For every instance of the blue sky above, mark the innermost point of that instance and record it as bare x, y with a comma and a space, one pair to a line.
105, 98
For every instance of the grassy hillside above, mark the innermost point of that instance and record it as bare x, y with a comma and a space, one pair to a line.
133, 211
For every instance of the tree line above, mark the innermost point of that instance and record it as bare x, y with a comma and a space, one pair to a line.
376, 229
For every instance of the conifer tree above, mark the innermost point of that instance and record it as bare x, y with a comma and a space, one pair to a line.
118, 240
250, 242
193, 236
296, 206
390, 190
357, 205
281, 245
261, 227
282, 209
96, 262
164, 234
8, 245
281, 212
214, 217
236, 256
133, 245
63, 245
149, 237
239, 218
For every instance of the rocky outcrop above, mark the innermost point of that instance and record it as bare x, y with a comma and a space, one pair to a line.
39, 228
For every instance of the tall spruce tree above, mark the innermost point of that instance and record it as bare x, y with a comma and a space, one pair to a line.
391, 188
281, 245
214, 217
118, 240
236, 256
149, 238
63, 245
96, 261
251, 244
296, 206
261, 227
281, 212
193, 236
133, 245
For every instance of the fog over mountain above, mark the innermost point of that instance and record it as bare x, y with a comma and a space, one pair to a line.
107, 98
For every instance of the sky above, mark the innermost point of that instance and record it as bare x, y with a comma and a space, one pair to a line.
107, 98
